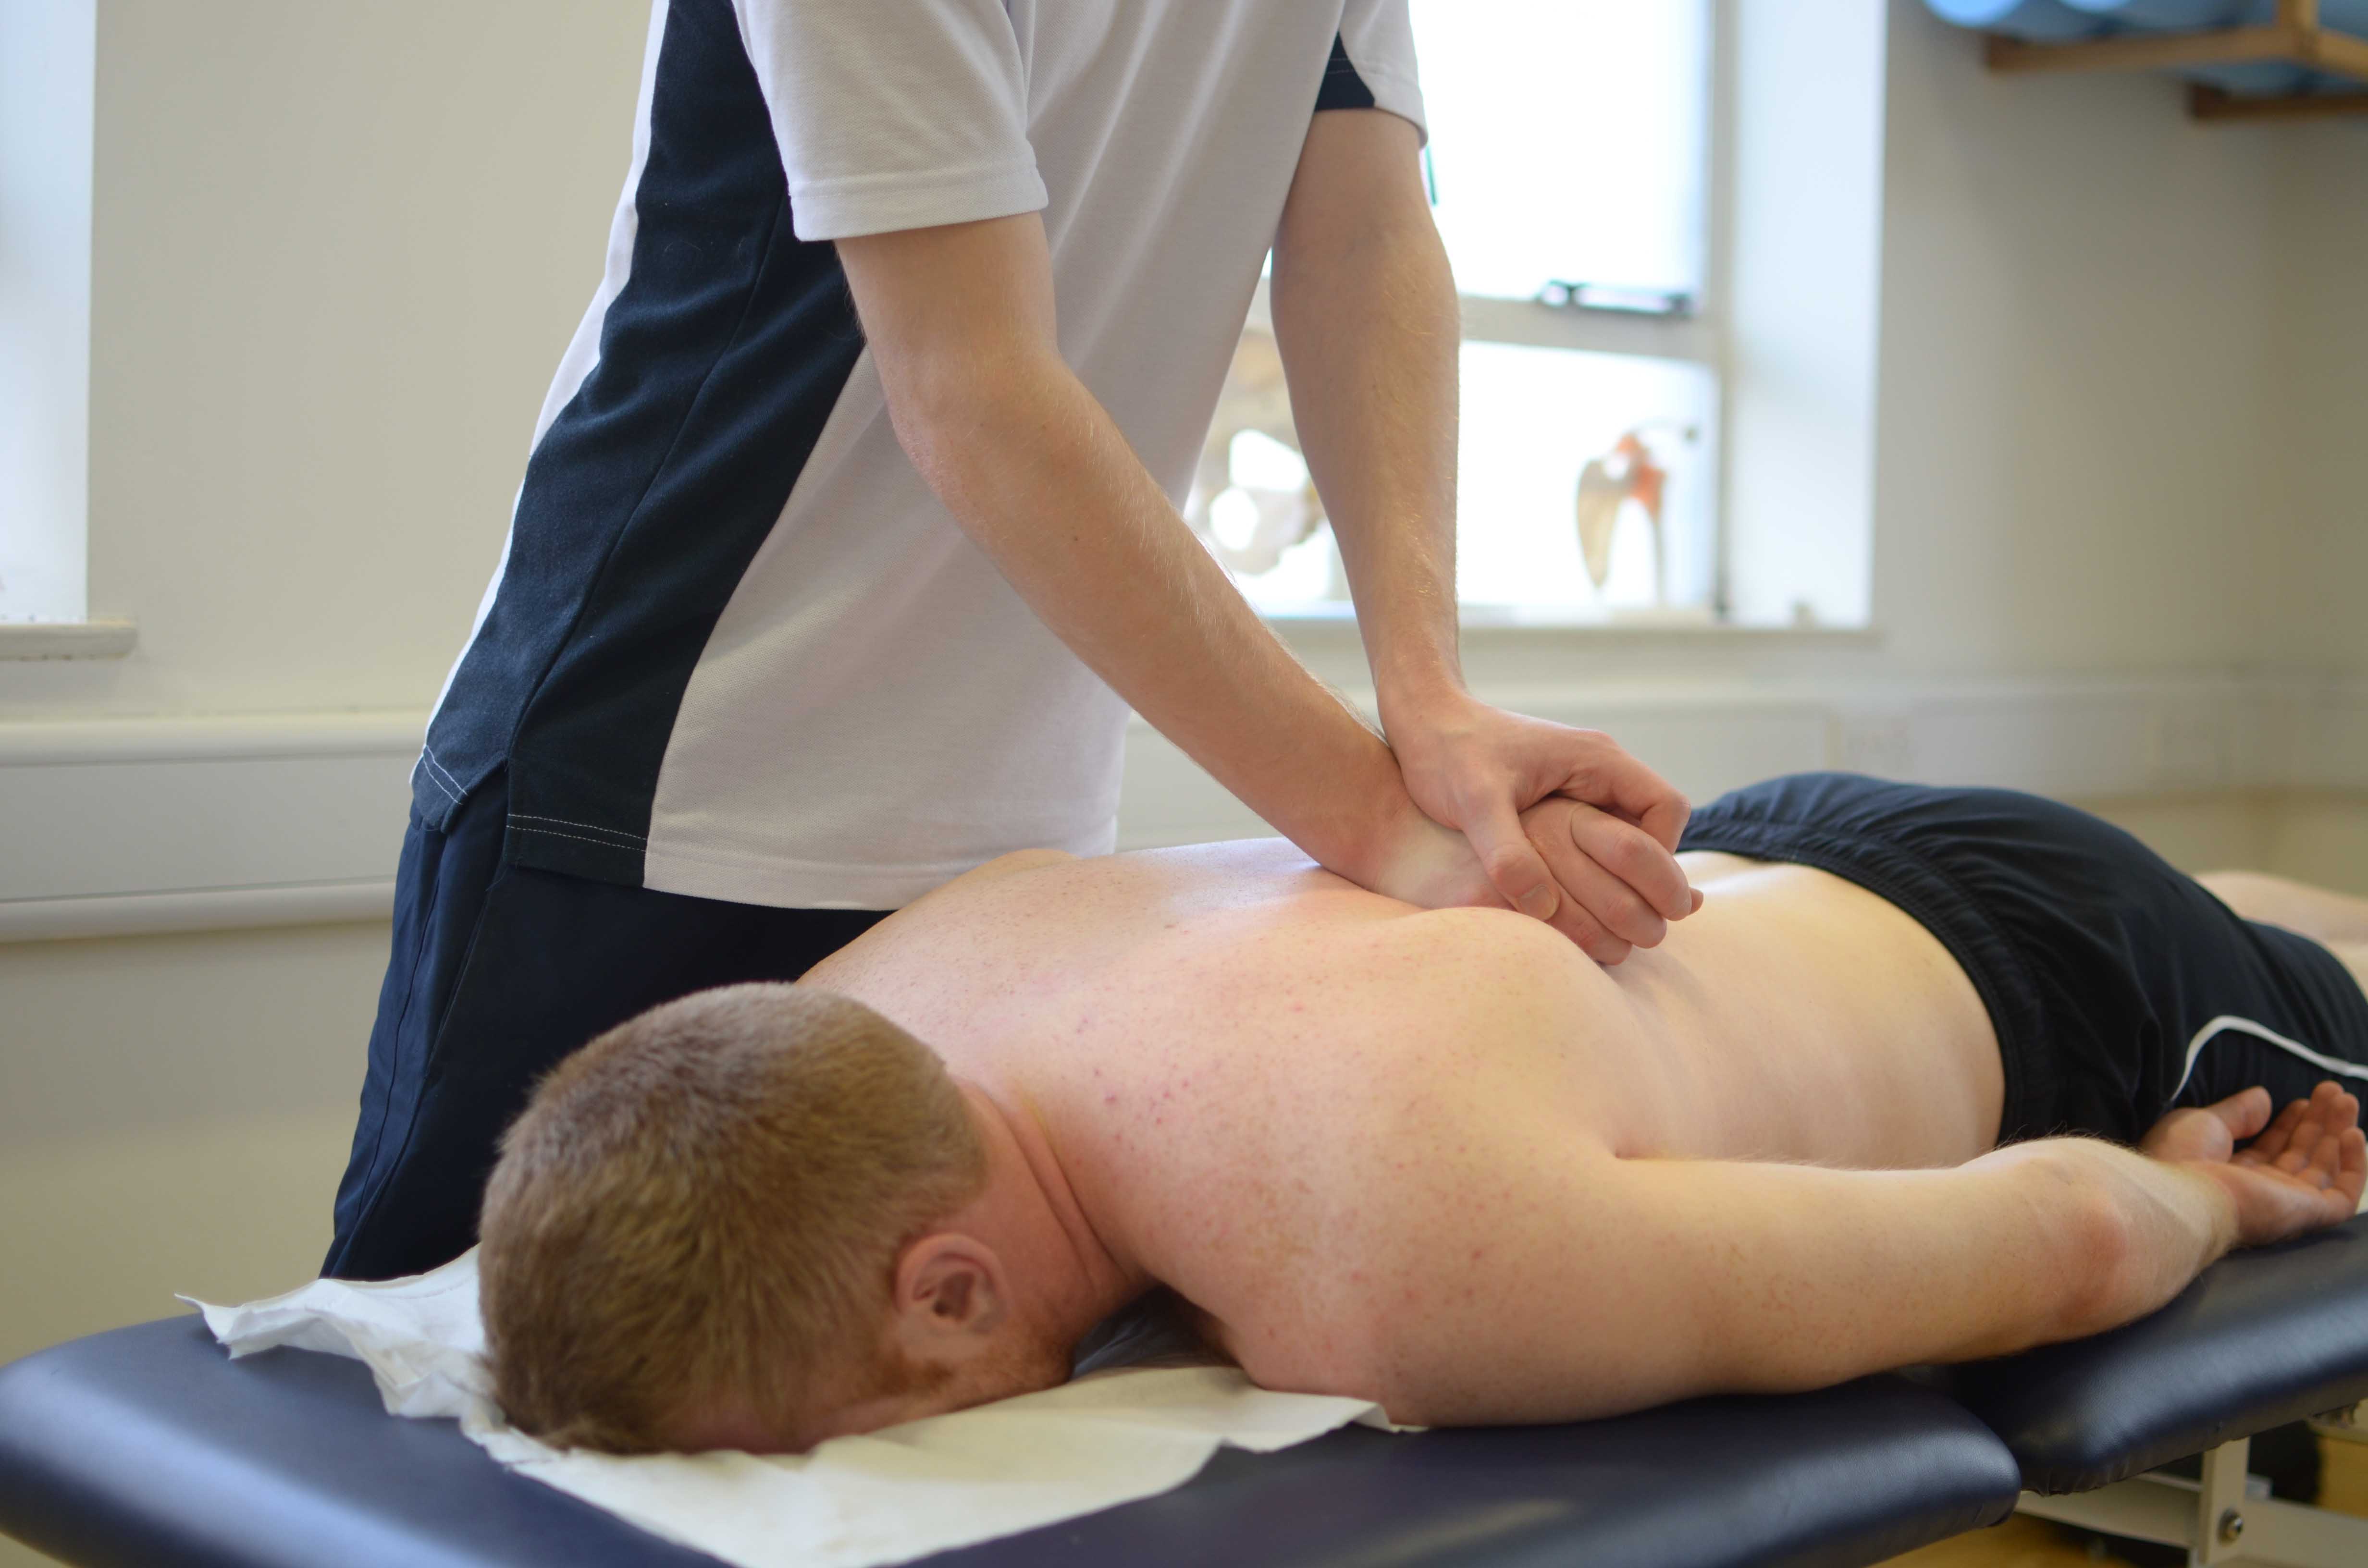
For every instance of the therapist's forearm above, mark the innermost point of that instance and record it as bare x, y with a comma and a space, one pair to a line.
1365, 316
1041, 479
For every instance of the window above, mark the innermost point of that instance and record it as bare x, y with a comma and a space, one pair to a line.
47, 56
1569, 164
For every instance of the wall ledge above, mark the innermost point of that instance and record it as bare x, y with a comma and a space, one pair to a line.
211, 737
68, 639
178, 823
196, 909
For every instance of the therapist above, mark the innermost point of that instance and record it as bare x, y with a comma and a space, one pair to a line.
850, 534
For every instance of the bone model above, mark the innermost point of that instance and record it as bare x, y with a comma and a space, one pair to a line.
1625, 473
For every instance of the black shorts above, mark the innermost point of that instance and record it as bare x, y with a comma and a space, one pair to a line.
2119, 987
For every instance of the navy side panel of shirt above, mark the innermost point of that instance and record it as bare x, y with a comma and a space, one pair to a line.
1342, 88
721, 357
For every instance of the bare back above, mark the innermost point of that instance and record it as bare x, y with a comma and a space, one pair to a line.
1228, 1045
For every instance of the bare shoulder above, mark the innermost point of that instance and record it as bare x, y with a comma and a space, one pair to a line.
953, 901
1055, 908
1007, 865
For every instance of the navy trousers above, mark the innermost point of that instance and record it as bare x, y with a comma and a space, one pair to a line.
497, 972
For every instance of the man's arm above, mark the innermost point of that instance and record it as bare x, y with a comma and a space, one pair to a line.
1365, 315
1594, 1285
961, 322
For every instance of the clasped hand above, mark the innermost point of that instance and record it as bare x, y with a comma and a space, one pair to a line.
1560, 824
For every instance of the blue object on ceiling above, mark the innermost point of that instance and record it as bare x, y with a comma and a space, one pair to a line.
2040, 21
2070, 21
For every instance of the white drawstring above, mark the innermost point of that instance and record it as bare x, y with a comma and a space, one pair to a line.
2227, 1021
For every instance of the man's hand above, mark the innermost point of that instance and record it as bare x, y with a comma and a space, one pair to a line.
2302, 1171
1605, 874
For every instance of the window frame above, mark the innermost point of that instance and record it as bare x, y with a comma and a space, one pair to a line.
1700, 336
48, 199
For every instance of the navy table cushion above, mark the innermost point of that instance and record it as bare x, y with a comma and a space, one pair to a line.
148, 1446
2261, 1338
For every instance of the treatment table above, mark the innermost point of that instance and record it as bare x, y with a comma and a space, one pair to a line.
148, 1446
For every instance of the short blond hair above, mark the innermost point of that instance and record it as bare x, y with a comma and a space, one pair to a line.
707, 1203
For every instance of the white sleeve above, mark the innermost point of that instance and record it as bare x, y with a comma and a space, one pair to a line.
1378, 38
893, 114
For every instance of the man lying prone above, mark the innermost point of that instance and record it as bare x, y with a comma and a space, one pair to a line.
1873, 1106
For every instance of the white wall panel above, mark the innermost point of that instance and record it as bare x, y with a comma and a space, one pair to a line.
130, 826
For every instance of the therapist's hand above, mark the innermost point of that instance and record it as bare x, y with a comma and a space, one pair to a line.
1603, 874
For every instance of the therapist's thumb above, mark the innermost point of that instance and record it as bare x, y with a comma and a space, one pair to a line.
1513, 865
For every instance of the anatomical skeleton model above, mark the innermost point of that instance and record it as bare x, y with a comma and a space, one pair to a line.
1627, 473
1255, 398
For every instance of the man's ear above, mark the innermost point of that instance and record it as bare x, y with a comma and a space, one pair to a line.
950, 1284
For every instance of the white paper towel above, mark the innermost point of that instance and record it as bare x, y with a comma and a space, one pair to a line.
888, 1496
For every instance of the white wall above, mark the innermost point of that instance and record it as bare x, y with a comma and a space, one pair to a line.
2078, 386
2317, 611
339, 248
174, 1112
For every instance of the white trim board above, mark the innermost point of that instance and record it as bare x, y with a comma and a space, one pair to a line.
68, 639
129, 825
200, 909
117, 826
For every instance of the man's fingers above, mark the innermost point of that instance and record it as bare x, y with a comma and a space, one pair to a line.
1515, 868
1588, 935
2339, 1115
1618, 782
1666, 821
1613, 904
1637, 859
2273, 1140
2297, 1149
2351, 1166
1562, 830
2315, 1137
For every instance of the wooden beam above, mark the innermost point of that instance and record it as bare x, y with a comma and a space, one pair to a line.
2153, 51
2300, 15
2211, 103
2340, 53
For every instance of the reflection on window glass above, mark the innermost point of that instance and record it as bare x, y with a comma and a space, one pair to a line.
1568, 140
1584, 488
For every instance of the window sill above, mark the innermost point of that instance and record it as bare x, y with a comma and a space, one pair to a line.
1490, 627
67, 640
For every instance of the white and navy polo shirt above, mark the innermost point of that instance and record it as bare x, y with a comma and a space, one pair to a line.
735, 647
